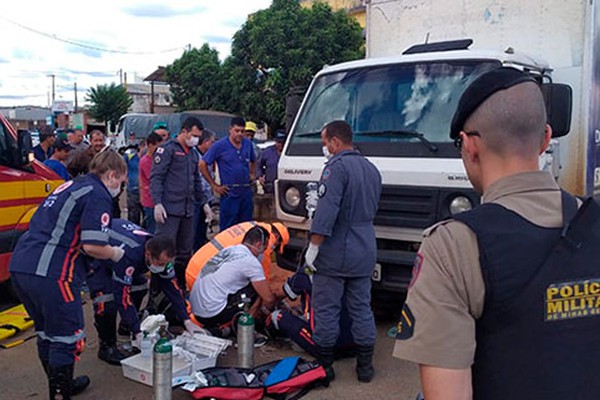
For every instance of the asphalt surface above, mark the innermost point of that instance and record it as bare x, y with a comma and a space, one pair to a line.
22, 376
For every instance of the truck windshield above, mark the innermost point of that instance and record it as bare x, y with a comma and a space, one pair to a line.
394, 110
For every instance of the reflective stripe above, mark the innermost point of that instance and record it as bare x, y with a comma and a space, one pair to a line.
169, 275
115, 277
62, 339
59, 229
216, 243
275, 318
289, 292
94, 235
105, 298
122, 238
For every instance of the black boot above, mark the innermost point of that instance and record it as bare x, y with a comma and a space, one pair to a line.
325, 357
59, 380
78, 384
364, 363
110, 354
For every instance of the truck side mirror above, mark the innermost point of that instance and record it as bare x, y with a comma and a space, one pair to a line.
24, 154
559, 105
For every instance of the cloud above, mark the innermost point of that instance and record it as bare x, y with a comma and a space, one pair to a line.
95, 74
217, 39
22, 54
14, 96
73, 49
4, 60
158, 10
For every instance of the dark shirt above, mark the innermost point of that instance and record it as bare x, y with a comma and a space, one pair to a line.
267, 167
40, 154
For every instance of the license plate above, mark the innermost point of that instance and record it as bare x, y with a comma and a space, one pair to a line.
376, 276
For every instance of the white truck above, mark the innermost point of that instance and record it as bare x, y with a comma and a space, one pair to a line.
400, 104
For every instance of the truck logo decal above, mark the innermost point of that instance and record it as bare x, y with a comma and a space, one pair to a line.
297, 171
457, 177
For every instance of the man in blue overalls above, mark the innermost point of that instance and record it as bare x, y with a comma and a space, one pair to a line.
49, 264
235, 158
342, 249
174, 186
120, 286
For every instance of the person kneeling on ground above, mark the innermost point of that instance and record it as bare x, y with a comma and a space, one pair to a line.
297, 323
122, 285
222, 283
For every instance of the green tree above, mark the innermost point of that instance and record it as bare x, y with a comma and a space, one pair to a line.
281, 48
195, 79
108, 103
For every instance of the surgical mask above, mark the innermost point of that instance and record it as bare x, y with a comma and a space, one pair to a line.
114, 192
156, 269
326, 152
193, 141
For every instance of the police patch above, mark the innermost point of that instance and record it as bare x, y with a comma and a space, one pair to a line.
322, 190
160, 150
574, 299
129, 271
326, 173
157, 160
105, 219
406, 326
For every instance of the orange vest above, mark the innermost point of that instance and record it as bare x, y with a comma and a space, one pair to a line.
229, 237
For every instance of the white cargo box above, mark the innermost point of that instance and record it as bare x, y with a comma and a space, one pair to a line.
190, 354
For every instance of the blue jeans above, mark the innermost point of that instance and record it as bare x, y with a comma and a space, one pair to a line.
149, 223
200, 227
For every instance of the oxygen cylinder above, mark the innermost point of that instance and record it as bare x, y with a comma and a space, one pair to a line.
162, 366
245, 338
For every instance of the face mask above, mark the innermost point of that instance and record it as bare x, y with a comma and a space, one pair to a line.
156, 269
114, 192
326, 152
192, 142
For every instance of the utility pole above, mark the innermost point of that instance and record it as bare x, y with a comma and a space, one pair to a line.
120, 73
75, 89
53, 87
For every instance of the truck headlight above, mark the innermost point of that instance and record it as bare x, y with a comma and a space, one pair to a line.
460, 204
292, 197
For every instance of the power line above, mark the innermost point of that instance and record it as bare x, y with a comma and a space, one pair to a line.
87, 46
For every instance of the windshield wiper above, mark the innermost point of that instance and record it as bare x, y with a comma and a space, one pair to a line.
406, 133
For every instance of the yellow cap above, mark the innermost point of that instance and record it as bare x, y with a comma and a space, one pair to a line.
250, 126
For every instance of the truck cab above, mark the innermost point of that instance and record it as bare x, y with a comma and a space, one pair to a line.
400, 109
24, 183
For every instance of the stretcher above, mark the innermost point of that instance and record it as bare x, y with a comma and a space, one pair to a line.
13, 321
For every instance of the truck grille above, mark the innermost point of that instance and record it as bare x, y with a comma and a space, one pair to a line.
412, 207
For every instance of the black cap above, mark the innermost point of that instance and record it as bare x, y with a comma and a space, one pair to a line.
280, 136
62, 145
483, 87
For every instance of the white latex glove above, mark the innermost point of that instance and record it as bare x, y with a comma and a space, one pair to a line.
193, 328
160, 214
311, 255
208, 213
118, 253
137, 340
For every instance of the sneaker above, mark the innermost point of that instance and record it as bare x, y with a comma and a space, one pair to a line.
260, 340
111, 354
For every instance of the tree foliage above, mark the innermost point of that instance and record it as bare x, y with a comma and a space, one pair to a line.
195, 78
108, 102
277, 50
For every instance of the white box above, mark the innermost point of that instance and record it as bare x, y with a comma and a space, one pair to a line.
139, 368
204, 349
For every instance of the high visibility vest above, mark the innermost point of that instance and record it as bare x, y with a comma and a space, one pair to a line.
230, 237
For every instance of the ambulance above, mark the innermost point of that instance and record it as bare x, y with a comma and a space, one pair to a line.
24, 183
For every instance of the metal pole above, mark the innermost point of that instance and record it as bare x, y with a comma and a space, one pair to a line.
75, 89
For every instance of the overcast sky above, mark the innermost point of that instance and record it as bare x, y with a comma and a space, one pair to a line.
41, 38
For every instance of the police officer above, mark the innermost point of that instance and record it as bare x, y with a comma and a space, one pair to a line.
174, 186
48, 265
342, 249
116, 285
478, 318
